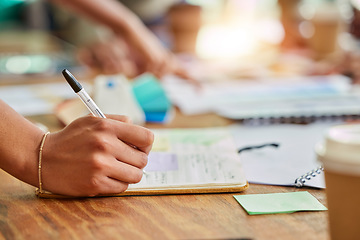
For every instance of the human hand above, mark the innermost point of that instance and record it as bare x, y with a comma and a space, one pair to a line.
110, 57
116, 56
151, 56
95, 156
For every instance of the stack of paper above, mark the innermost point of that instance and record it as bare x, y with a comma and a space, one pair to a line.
282, 98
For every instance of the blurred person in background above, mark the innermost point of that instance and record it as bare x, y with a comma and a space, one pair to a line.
129, 47
111, 36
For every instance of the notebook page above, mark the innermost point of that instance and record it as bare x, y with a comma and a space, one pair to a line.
194, 157
294, 157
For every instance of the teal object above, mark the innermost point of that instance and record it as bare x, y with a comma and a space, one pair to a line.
10, 10
151, 97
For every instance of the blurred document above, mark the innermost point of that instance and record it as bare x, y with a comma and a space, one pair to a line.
36, 99
314, 96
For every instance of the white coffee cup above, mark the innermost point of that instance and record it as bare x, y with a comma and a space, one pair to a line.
340, 155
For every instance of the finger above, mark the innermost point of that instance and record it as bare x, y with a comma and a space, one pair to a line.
117, 57
181, 72
130, 68
104, 58
128, 154
111, 186
151, 69
121, 118
124, 172
163, 69
126, 67
184, 75
154, 64
135, 135
86, 57
110, 61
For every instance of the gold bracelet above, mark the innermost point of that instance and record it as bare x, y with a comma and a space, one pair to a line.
39, 190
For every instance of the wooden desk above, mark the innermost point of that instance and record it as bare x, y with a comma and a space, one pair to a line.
207, 216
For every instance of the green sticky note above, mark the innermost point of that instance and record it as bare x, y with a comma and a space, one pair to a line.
279, 203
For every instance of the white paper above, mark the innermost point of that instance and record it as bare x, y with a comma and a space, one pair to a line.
113, 94
161, 162
294, 157
265, 98
36, 99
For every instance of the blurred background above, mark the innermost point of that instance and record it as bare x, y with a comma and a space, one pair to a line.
263, 52
242, 38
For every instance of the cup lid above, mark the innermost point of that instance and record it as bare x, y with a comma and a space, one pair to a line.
341, 147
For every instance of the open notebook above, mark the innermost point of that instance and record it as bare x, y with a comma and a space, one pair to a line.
190, 161
282, 154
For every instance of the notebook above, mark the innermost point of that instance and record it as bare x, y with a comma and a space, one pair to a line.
282, 154
300, 99
185, 161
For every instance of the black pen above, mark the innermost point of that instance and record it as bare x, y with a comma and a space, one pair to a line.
80, 91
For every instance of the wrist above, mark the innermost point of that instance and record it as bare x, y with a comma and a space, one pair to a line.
40, 190
27, 169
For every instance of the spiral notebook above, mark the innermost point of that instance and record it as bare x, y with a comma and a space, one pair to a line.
305, 179
281, 154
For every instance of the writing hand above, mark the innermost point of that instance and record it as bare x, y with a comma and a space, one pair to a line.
94, 156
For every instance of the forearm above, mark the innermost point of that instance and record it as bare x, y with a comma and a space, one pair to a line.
107, 12
147, 52
19, 148
120, 20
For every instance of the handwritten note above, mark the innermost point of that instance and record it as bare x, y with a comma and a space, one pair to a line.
272, 203
186, 157
161, 161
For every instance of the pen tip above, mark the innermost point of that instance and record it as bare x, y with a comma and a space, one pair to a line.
75, 85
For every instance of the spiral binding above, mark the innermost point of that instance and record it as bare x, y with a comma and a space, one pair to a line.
300, 181
305, 119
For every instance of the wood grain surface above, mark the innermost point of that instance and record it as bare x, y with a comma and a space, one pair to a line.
198, 216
